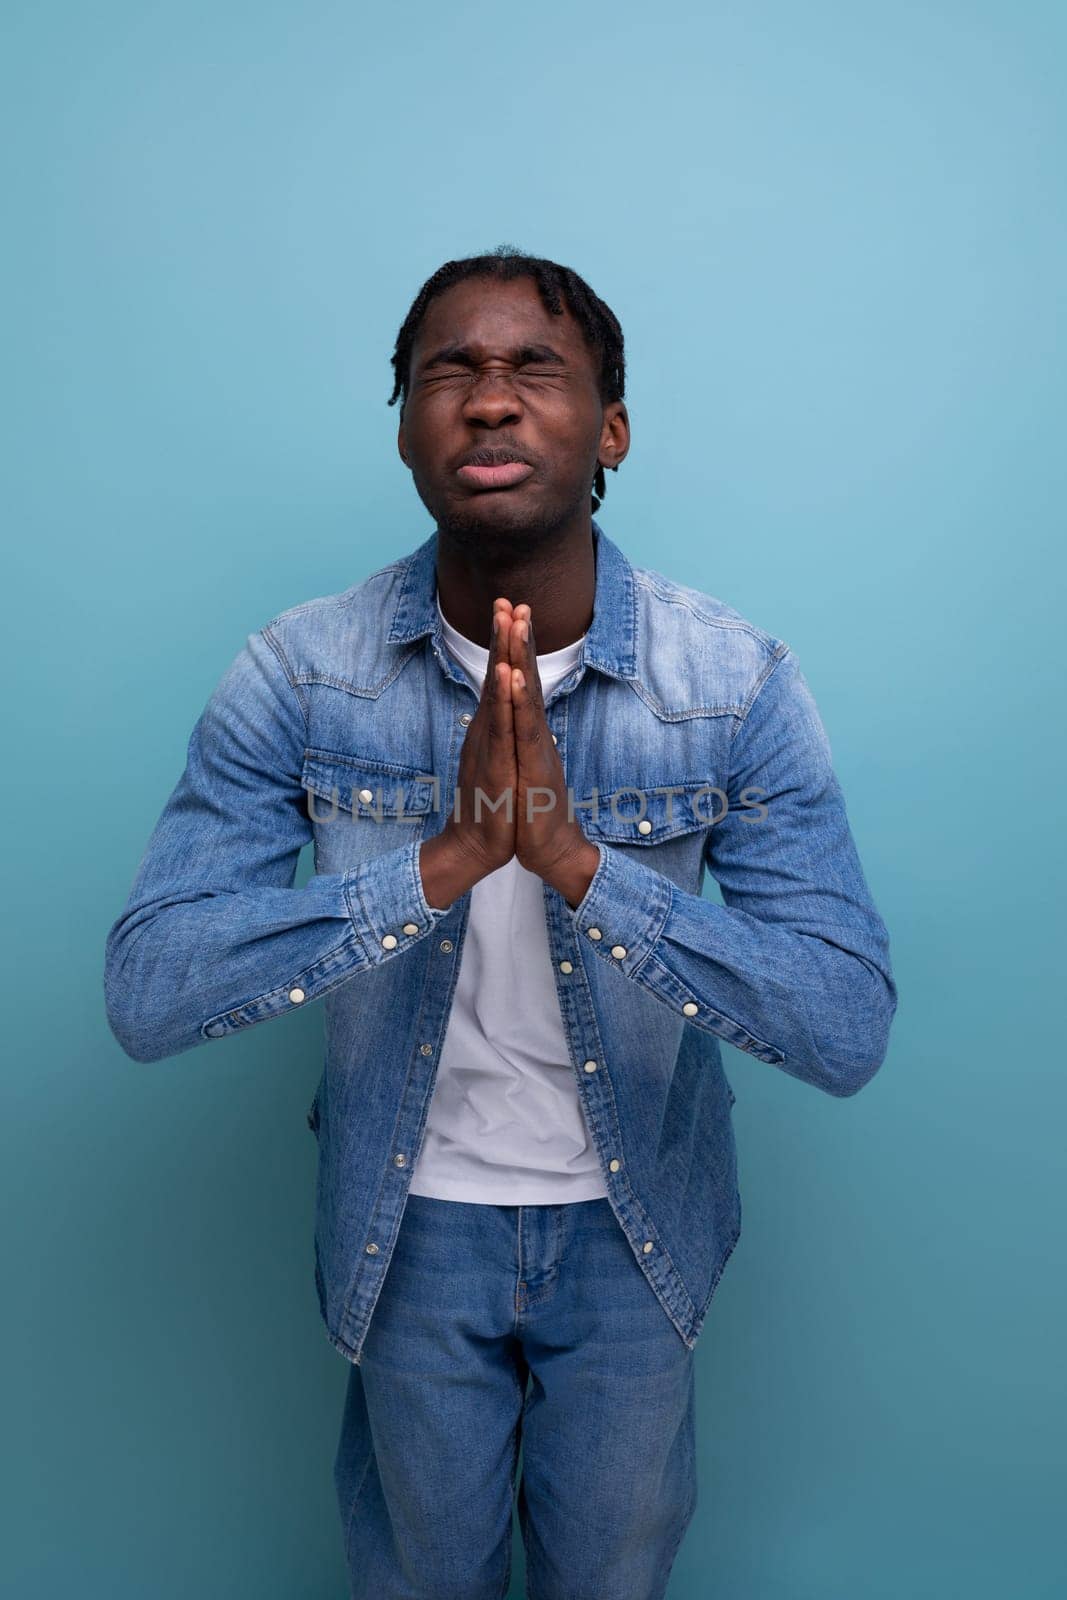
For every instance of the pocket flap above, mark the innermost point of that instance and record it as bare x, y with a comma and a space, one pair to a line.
366, 788
650, 815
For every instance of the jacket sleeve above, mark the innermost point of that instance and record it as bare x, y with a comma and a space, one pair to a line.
794, 967
214, 937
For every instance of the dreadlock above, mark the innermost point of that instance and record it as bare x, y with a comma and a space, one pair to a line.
558, 287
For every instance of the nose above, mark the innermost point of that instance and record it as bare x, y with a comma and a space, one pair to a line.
492, 401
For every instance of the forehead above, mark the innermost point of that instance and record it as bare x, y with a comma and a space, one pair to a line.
492, 316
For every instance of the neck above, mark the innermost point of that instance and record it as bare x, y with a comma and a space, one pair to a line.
554, 574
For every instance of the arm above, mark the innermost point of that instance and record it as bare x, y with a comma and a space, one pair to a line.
214, 937
794, 967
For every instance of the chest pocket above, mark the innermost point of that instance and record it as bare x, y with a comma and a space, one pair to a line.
669, 822
360, 807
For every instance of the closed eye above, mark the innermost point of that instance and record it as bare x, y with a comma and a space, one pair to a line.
452, 362
443, 376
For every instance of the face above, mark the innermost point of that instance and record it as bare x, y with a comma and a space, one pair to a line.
503, 425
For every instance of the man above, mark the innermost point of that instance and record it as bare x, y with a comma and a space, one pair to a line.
516, 753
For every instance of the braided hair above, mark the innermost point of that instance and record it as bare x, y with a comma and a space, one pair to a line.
558, 287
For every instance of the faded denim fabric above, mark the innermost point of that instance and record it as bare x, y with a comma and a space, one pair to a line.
499, 1326
351, 701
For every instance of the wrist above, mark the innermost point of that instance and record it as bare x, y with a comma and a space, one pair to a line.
447, 869
574, 873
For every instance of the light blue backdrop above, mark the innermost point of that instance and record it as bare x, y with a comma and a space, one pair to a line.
835, 236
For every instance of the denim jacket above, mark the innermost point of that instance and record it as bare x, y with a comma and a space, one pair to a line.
690, 741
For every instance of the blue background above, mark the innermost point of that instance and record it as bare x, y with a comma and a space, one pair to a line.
835, 237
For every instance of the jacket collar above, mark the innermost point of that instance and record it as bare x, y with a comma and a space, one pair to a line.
611, 642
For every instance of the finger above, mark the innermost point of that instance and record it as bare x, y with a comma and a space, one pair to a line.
499, 647
526, 659
528, 715
525, 719
500, 721
501, 765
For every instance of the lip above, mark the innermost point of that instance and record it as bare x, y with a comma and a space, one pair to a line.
505, 475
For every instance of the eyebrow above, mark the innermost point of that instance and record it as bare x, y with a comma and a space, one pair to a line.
460, 355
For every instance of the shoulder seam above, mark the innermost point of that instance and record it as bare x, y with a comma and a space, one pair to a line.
778, 656
275, 644
736, 623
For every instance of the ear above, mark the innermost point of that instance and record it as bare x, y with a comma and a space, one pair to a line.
401, 446
614, 435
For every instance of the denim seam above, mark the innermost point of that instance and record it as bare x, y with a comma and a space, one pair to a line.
362, 923
659, 710
275, 645
350, 939
643, 580
779, 656
668, 902
369, 691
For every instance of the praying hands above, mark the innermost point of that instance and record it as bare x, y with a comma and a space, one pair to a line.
511, 795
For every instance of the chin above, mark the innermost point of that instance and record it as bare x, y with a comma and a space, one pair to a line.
504, 515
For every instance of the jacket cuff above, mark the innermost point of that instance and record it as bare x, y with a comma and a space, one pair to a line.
622, 913
387, 902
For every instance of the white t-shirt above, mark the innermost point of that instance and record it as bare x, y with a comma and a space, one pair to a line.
505, 1124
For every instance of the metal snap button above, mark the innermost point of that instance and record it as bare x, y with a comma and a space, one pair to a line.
594, 933
389, 942
647, 1246
411, 927
644, 826
690, 1008
615, 1165
618, 951
372, 1249
296, 995
366, 796
566, 966
590, 1066
445, 945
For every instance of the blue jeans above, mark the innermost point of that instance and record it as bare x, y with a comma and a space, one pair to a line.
499, 1325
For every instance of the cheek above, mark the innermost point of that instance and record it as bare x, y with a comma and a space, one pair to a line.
573, 427
575, 446
424, 441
